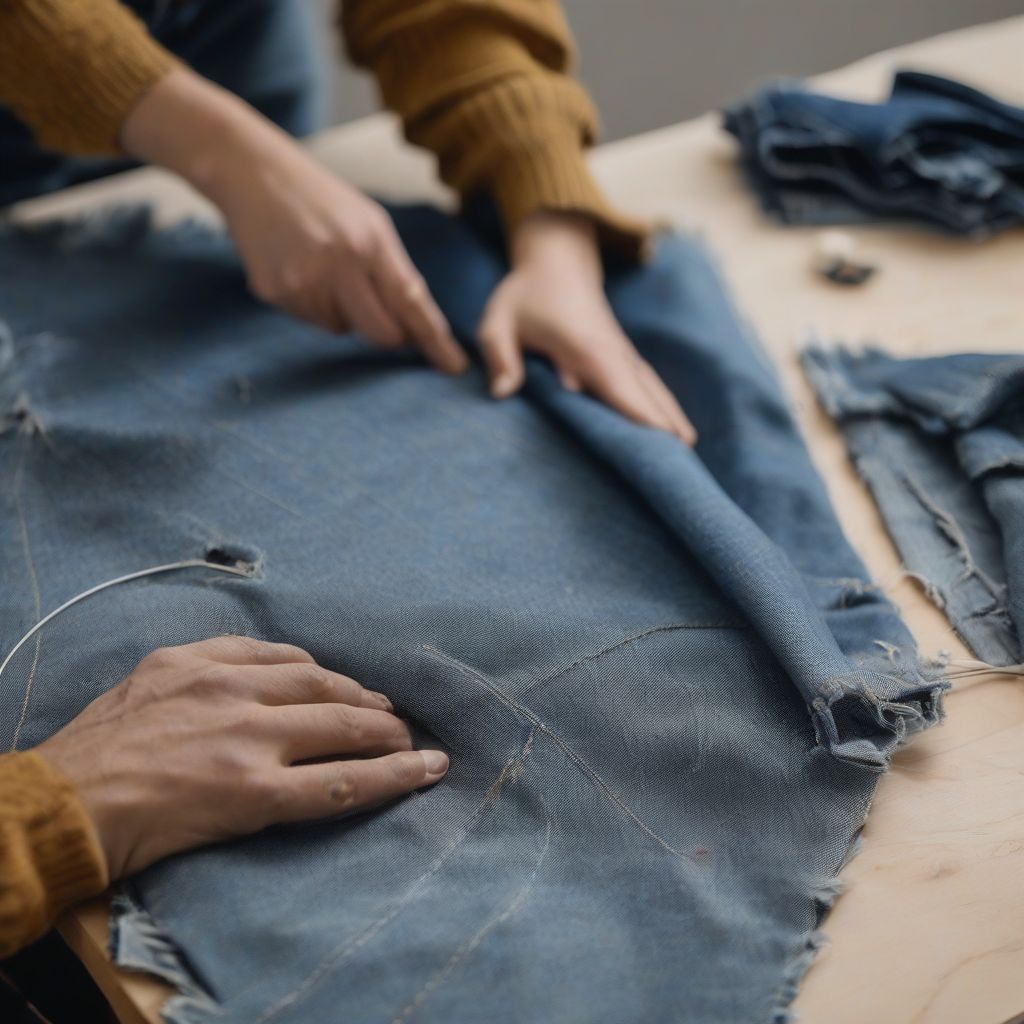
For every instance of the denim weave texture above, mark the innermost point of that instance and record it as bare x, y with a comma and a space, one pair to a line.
665, 681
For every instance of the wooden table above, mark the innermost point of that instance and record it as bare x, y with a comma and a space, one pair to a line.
931, 928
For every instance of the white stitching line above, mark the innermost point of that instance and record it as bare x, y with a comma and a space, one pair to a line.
467, 947
572, 754
337, 956
671, 627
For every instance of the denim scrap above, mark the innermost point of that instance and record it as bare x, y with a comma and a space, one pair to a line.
665, 680
935, 151
940, 442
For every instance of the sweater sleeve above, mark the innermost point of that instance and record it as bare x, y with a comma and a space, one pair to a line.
485, 86
49, 854
73, 69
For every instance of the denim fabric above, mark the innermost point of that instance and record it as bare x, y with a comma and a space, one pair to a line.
936, 150
666, 685
941, 444
262, 50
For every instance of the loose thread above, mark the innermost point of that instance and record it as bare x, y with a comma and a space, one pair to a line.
192, 563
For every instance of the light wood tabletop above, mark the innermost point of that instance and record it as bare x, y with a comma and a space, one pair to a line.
930, 929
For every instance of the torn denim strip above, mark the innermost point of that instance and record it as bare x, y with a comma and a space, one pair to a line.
666, 683
940, 442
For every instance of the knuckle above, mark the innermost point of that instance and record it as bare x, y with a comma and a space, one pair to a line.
288, 651
342, 787
232, 644
314, 681
296, 283
411, 289
264, 789
162, 657
352, 727
264, 288
357, 245
398, 734
211, 679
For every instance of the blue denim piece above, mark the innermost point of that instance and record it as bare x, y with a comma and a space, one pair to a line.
262, 50
665, 681
936, 151
940, 442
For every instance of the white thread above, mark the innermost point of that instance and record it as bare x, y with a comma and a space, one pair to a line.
964, 667
192, 563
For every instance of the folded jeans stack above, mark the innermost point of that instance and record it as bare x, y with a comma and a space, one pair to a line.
935, 151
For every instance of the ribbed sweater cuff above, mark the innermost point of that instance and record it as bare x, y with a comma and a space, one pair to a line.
48, 849
73, 71
549, 171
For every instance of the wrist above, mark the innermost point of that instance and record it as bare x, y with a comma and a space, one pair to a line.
193, 127
557, 236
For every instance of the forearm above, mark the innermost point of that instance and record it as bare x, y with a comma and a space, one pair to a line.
487, 89
49, 853
206, 134
73, 69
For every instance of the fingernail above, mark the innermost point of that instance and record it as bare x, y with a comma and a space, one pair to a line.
435, 760
373, 699
503, 385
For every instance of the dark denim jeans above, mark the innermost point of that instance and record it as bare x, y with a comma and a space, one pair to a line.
263, 50
936, 150
941, 444
666, 685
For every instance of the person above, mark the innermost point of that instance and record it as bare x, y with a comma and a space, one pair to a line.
216, 90
199, 744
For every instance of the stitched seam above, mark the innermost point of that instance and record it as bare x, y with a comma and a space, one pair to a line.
628, 640
336, 957
564, 746
467, 947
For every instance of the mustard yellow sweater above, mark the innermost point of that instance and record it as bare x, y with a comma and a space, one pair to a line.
483, 84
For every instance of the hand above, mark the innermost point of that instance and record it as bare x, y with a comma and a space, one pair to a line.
206, 742
311, 244
553, 303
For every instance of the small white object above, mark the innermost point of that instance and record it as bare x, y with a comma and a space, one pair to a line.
836, 257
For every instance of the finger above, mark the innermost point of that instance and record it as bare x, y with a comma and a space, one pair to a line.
344, 787
359, 303
570, 379
620, 385
306, 683
681, 425
326, 313
329, 730
502, 355
408, 297
244, 650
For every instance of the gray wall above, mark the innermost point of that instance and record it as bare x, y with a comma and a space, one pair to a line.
652, 62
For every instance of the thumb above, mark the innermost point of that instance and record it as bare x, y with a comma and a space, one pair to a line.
504, 360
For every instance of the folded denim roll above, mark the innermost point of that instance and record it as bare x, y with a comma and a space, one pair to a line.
936, 151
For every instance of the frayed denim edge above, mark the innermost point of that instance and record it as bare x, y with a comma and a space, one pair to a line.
800, 963
138, 944
840, 717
